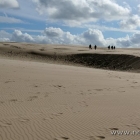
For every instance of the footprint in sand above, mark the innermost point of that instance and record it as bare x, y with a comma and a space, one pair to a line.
98, 89
134, 82
114, 128
138, 128
101, 137
9, 81
62, 138
83, 104
122, 91
92, 138
58, 86
57, 114
23, 120
38, 93
13, 100
32, 98
46, 94
5, 124
53, 115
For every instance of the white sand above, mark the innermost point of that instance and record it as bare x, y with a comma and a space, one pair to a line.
40, 101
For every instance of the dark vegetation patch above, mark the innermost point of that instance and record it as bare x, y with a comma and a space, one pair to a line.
105, 61
61, 48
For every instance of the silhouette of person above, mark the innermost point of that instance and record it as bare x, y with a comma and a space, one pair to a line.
95, 47
90, 46
114, 47
109, 47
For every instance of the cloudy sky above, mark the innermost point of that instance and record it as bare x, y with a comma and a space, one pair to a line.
80, 22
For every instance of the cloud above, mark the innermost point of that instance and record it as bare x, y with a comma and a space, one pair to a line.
131, 22
9, 4
84, 11
58, 36
138, 8
53, 32
4, 34
94, 36
4, 39
123, 42
18, 36
10, 20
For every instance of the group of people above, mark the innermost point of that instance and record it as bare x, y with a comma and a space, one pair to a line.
109, 47
90, 47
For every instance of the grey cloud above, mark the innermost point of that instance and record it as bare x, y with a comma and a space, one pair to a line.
138, 8
10, 20
4, 34
53, 32
123, 42
82, 11
131, 22
9, 4
135, 39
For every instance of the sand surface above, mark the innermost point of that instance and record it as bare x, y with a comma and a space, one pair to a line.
42, 101
118, 59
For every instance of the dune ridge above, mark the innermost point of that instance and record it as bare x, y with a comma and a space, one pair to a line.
81, 56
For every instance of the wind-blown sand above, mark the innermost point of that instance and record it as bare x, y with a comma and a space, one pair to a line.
44, 101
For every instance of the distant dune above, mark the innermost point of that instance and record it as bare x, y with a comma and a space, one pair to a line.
118, 59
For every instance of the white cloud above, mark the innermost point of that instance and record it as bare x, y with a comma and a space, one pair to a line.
4, 39
84, 11
9, 4
131, 22
18, 36
58, 36
95, 36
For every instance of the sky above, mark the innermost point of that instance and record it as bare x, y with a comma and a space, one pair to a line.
75, 22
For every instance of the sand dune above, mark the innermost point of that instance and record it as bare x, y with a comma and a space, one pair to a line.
43, 101
119, 59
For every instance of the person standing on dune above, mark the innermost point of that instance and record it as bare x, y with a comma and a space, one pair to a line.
95, 47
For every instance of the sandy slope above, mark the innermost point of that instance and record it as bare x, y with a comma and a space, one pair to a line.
43, 101
40, 101
118, 59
